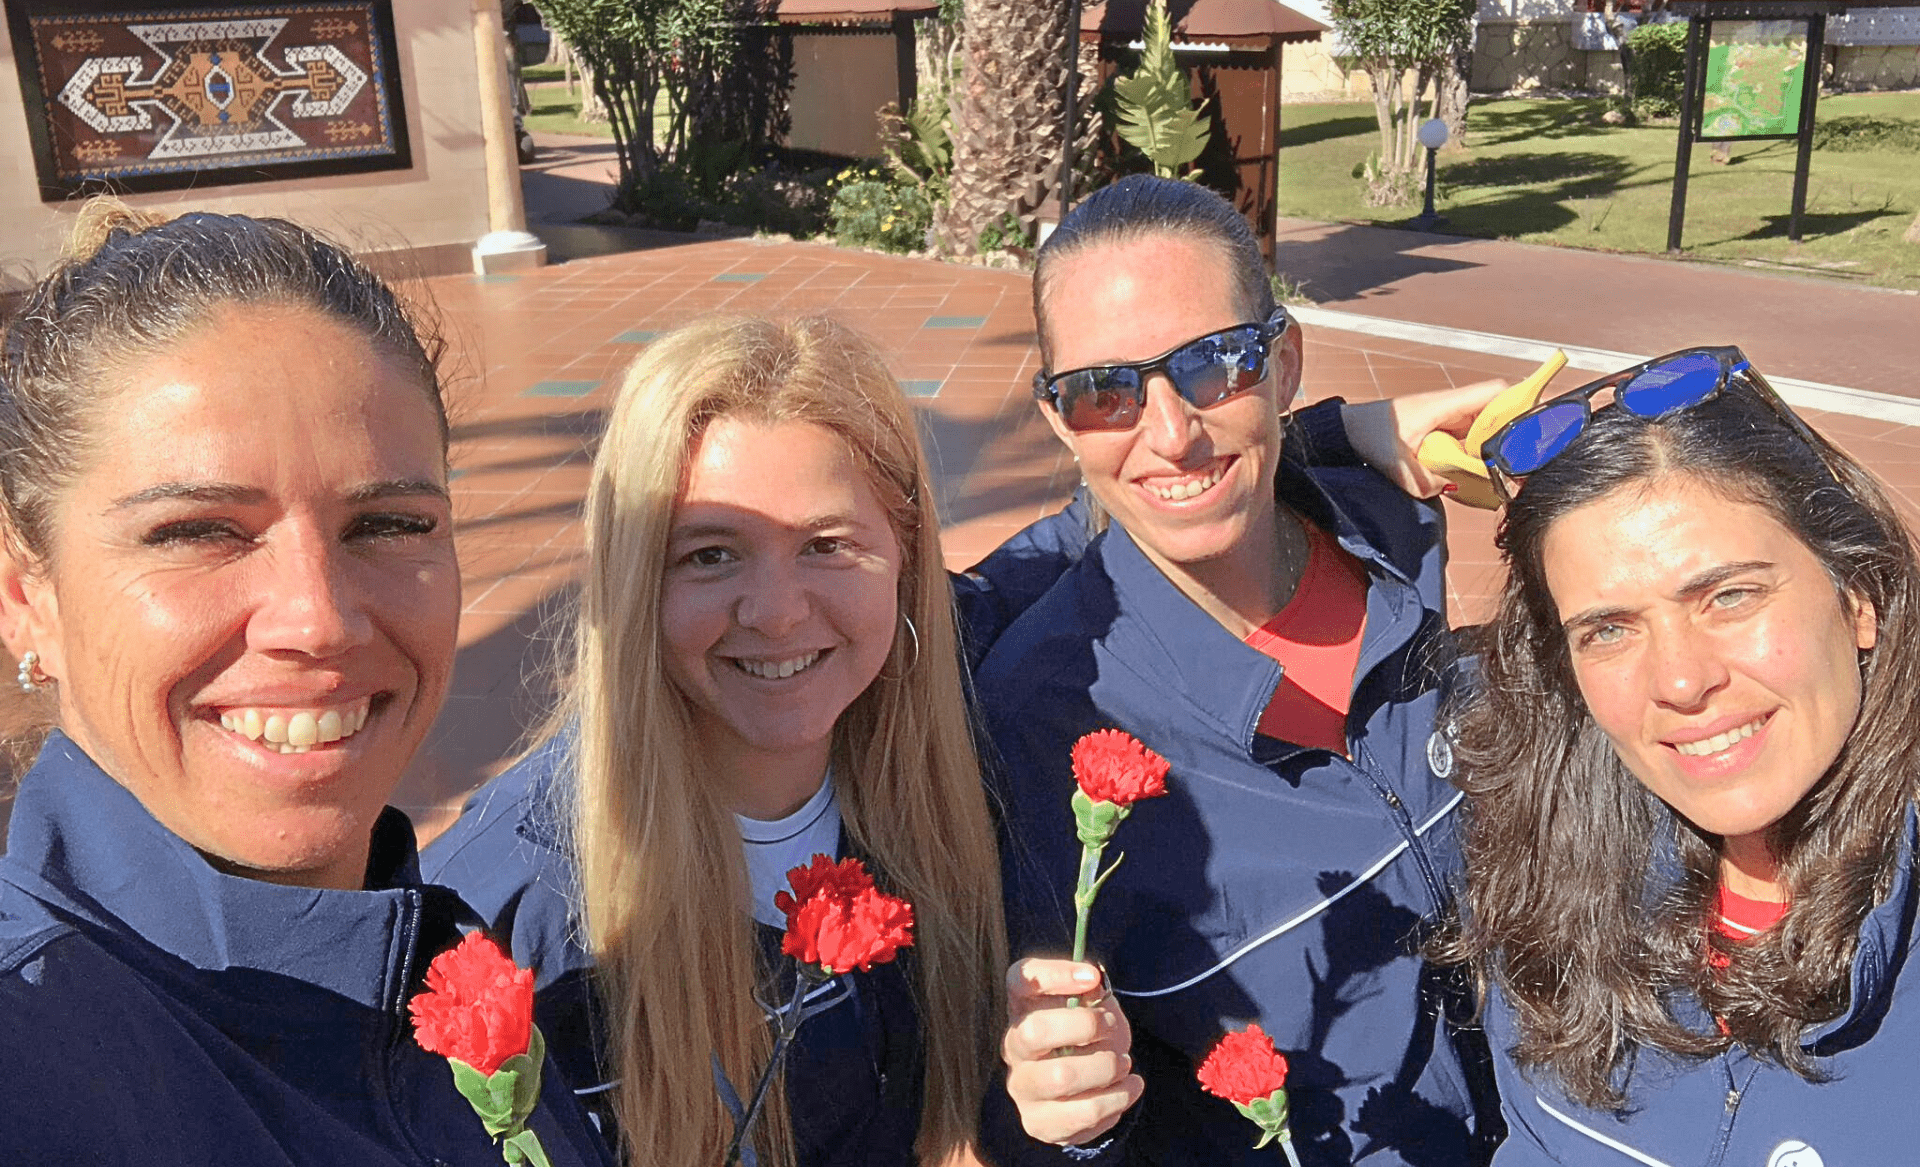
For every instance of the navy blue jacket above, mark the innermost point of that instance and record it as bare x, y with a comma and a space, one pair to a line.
1274, 883
854, 1074
1737, 1111
154, 1011
856, 1068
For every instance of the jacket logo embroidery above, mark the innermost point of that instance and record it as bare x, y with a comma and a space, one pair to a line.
1794, 1153
1440, 755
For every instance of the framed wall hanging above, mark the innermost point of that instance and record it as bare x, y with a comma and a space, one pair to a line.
137, 96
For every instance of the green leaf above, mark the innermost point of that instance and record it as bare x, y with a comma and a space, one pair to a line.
524, 1147
476, 1088
1156, 110
526, 1092
500, 1089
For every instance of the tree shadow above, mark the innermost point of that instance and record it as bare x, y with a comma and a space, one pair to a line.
1817, 223
1326, 131
1582, 175
503, 688
1530, 121
1355, 259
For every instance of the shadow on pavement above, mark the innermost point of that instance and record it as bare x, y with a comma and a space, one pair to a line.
1351, 260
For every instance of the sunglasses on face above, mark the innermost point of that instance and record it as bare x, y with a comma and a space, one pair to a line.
1203, 372
1652, 389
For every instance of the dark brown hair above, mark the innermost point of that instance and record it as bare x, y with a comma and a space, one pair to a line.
1589, 901
1143, 205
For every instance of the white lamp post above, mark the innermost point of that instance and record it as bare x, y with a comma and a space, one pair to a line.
1432, 135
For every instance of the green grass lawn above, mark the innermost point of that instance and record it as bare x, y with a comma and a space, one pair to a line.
557, 111
1550, 171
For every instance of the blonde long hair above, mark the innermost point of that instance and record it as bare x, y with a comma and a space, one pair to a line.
663, 877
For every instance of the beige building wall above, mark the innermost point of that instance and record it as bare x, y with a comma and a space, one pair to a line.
840, 81
436, 209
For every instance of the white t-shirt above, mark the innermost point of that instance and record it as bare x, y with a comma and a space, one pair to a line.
776, 847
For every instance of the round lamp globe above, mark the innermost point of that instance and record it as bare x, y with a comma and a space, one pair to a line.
1433, 133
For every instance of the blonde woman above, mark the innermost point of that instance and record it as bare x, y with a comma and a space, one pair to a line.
766, 666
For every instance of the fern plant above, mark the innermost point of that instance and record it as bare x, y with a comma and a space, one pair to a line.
1157, 115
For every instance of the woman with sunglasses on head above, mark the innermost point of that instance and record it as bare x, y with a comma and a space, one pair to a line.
1278, 632
1691, 761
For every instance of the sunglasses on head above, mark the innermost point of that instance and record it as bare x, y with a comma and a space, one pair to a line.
1203, 372
1652, 389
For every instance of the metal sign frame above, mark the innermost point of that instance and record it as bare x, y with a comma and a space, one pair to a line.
1693, 106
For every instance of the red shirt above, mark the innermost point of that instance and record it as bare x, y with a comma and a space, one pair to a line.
1316, 639
1738, 918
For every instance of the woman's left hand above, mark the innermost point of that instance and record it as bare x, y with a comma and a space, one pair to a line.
1387, 433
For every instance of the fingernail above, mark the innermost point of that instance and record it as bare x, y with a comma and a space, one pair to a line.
1126, 1064
1449, 488
1085, 976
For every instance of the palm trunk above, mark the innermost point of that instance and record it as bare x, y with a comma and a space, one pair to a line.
1006, 118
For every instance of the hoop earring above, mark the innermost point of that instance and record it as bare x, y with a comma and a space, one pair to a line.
914, 658
31, 679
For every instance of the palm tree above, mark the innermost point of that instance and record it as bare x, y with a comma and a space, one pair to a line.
1006, 116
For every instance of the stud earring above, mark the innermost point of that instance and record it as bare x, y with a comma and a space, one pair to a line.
31, 678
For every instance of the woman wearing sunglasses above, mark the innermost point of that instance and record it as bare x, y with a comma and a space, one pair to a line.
1691, 764
1278, 632
767, 668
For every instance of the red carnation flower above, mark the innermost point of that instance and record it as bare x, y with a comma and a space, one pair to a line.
1112, 766
478, 1006
1243, 1067
842, 880
840, 920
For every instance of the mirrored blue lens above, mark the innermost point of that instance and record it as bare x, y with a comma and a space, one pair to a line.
1684, 381
1535, 441
1214, 368
1100, 399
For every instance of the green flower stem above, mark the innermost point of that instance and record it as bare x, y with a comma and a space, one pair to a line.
1293, 1159
789, 1024
1094, 823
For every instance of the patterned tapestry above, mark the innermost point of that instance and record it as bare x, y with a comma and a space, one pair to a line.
176, 96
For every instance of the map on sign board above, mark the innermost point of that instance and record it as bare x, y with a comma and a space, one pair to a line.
1756, 74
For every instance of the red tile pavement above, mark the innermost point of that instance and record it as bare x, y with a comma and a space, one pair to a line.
520, 458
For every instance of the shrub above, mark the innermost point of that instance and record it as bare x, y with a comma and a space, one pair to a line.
1859, 132
1659, 68
868, 210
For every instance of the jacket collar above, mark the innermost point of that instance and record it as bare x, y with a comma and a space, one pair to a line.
1220, 677
85, 846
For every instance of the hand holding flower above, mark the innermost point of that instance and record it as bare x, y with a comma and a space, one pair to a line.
1069, 1071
